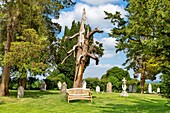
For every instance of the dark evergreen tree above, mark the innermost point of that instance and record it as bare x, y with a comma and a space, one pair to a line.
142, 36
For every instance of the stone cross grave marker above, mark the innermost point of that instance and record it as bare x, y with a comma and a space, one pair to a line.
124, 93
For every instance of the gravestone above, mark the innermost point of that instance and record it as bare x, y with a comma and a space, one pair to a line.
59, 85
124, 93
63, 88
130, 88
158, 90
149, 88
97, 89
43, 86
84, 84
20, 93
134, 88
109, 87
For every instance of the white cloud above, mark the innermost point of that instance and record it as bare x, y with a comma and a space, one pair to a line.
109, 47
99, 2
95, 15
95, 18
96, 70
103, 66
109, 43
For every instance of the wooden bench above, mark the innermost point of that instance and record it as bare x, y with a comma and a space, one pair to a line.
78, 94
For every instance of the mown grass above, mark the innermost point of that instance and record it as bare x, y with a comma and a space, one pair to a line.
53, 102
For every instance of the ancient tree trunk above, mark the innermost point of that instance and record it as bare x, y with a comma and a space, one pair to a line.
142, 82
82, 51
22, 82
4, 86
143, 77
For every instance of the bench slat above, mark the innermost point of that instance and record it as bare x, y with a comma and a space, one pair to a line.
78, 94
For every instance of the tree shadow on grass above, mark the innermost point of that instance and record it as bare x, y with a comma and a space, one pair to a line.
2, 102
142, 106
34, 93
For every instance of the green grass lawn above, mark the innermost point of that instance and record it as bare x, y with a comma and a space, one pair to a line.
53, 102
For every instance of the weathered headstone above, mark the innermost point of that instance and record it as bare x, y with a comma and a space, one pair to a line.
43, 86
20, 93
84, 84
63, 88
59, 85
149, 88
130, 88
124, 93
134, 88
158, 90
97, 89
109, 87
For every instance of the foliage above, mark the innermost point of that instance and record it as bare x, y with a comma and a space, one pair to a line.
33, 33
165, 85
143, 35
27, 55
55, 77
92, 83
115, 76
31, 83
51, 11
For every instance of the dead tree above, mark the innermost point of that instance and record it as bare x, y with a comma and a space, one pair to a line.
81, 51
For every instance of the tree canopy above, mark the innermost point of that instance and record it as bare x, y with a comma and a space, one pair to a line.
141, 36
115, 76
28, 36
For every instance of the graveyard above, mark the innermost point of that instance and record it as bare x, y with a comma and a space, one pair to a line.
84, 56
36, 101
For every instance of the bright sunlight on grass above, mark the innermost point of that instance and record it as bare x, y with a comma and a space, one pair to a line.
53, 102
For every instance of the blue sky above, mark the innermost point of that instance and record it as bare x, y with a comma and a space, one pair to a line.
95, 18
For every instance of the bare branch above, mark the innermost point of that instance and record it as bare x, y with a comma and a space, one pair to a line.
92, 49
74, 47
66, 58
96, 30
69, 53
93, 57
73, 36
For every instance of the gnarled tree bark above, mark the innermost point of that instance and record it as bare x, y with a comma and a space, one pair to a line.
4, 86
82, 52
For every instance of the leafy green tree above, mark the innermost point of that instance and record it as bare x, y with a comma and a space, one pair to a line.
92, 83
165, 84
27, 25
141, 36
56, 76
115, 76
